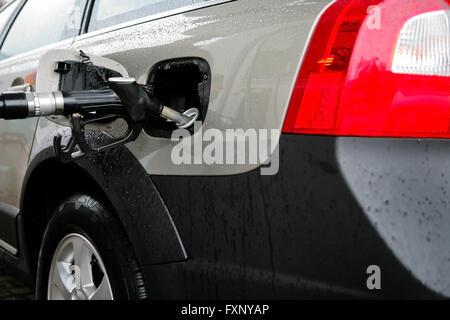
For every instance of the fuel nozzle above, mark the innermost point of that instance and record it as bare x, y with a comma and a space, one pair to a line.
123, 98
140, 103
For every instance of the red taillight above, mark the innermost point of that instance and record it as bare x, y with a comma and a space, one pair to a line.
365, 74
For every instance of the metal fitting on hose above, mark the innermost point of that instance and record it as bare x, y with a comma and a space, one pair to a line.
44, 104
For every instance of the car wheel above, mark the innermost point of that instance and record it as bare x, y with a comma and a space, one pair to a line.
86, 255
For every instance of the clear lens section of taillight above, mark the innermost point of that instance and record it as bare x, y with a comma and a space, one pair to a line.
423, 45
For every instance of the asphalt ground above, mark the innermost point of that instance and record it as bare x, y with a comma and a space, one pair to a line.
12, 288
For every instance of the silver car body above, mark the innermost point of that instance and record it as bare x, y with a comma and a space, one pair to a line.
254, 49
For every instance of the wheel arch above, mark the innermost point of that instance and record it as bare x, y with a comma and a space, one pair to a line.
114, 177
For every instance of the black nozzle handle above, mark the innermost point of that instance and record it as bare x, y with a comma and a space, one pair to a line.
92, 100
140, 103
137, 101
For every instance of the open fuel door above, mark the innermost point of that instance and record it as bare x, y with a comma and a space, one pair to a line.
67, 70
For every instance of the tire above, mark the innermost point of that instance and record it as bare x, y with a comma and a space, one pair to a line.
82, 220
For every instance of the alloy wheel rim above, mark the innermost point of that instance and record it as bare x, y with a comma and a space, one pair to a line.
77, 271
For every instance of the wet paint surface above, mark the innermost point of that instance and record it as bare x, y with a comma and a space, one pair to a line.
298, 234
403, 187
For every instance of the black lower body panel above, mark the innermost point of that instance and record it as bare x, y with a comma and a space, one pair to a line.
303, 233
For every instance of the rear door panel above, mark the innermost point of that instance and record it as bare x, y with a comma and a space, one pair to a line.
31, 33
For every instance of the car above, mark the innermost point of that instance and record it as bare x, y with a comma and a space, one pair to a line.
318, 166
